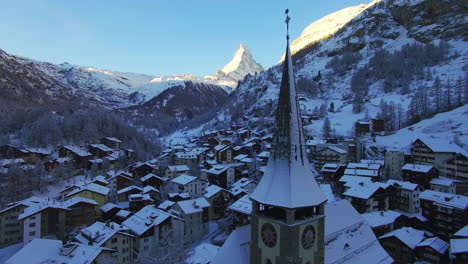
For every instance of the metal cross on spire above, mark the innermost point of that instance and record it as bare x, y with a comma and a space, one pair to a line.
287, 23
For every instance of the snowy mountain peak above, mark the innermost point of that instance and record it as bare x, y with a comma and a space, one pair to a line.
241, 64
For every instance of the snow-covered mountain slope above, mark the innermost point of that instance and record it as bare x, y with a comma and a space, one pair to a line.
26, 84
326, 26
241, 64
385, 49
445, 128
183, 101
123, 89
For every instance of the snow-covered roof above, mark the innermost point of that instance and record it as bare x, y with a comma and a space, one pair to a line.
459, 245
462, 232
178, 168
113, 139
243, 205
92, 187
99, 233
148, 176
361, 172
436, 243
330, 167
314, 142
403, 184
364, 190
219, 147
44, 204
148, 217
417, 167
184, 179
202, 254
194, 205
129, 188
109, 206
166, 204
442, 146
218, 168
443, 181
236, 249
123, 213
26, 202
348, 237
327, 190
337, 149
446, 199
48, 251
101, 147
212, 190
264, 154
381, 218
76, 200
149, 188
78, 151
408, 235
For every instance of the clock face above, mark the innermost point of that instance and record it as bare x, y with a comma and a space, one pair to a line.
308, 237
269, 235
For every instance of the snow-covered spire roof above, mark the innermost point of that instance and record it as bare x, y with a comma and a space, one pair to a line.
288, 180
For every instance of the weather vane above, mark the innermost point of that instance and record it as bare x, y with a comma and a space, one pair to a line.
287, 23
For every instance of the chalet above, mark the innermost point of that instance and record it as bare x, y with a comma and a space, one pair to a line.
330, 154
123, 194
333, 171
176, 197
141, 169
443, 184
188, 184
243, 134
177, 170
121, 216
11, 232
307, 119
364, 169
11, 152
224, 154
8, 163
91, 191
52, 164
447, 213
109, 235
405, 196
109, 210
195, 213
419, 174
368, 197
99, 150
151, 227
118, 181
166, 205
79, 155
138, 200
154, 193
221, 175
346, 182
241, 210
52, 251
55, 218
459, 246
242, 187
433, 250
401, 243
111, 142
186, 158
362, 127
383, 222
378, 125
253, 148
456, 168
433, 152
218, 199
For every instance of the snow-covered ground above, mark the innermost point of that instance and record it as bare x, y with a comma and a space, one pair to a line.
445, 127
8, 252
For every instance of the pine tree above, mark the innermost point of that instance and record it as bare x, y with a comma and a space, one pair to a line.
357, 103
323, 110
449, 95
332, 107
437, 86
326, 129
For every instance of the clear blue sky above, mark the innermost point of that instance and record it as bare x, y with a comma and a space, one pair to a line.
158, 37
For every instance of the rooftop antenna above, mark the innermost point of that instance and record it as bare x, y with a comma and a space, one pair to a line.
287, 23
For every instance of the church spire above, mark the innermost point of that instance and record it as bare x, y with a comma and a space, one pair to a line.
288, 180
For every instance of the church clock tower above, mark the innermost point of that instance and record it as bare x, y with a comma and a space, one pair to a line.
287, 224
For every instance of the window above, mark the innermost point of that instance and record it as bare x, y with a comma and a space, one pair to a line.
32, 224
114, 240
33, 233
